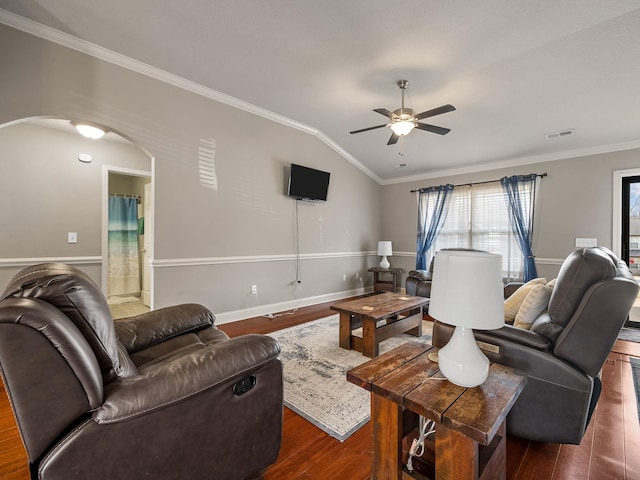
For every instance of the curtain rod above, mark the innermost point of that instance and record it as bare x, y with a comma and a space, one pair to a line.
481, 183
124, 195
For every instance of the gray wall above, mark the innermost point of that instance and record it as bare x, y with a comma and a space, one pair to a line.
210, 245
47, 192
574, 200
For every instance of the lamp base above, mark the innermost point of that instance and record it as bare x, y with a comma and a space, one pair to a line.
384, 263
462, 361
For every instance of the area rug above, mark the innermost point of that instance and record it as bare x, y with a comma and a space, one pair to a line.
630, 334
315, 367
635, 372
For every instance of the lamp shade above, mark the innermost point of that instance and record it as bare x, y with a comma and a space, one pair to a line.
467, 289
384, 248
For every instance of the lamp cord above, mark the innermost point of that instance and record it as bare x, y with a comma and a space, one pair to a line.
426, 428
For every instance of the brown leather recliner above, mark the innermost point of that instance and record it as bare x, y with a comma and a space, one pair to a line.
564, 350
164, 395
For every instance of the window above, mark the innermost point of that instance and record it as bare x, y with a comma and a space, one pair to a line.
478, 218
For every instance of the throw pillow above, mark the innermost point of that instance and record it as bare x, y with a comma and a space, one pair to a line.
512, 304
536, 302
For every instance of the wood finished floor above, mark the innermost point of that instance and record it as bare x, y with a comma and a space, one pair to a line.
609, 450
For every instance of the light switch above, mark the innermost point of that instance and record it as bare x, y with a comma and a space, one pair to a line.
72, 237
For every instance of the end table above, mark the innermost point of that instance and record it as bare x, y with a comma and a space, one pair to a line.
386, 285
470, 436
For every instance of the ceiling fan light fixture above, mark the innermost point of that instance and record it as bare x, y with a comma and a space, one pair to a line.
88, 130
402, 127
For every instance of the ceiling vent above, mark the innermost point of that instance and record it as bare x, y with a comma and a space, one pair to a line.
563, 133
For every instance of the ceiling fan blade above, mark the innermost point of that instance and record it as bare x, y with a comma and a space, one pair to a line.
433, 128
393, 139
435, 111
383, 111
369, 128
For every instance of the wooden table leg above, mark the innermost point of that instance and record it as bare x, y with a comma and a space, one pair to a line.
456, 455
417, 331
386, 418
345, 330
369, 338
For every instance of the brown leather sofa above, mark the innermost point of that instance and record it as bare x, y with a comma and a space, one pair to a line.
164, 395
565, 348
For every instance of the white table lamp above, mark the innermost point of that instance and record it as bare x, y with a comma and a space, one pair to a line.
384, 249
466, 292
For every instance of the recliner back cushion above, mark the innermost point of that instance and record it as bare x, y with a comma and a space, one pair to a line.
581, 269
80, 299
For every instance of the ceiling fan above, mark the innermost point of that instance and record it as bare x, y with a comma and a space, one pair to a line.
403, 120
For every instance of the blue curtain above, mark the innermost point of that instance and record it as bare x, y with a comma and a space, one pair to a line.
433, 205
519, 193
124, 269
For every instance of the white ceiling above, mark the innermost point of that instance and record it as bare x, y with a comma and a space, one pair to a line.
514, 69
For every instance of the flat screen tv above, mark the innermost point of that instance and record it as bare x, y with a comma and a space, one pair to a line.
308, 183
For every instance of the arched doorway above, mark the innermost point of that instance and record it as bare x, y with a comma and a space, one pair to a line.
54, 192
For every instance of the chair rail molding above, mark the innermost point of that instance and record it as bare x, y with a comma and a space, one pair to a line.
185, 262
26, 262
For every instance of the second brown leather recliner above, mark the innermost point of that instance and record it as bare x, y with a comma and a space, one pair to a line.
565, 348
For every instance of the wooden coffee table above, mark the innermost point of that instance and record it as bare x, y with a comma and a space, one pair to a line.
470, 436
380, 316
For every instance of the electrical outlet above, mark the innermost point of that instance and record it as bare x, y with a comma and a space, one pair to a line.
344, 277
586, 242
72, 237
254, 289
357, 275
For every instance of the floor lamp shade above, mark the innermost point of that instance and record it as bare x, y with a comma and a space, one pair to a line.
384, 249
466, 292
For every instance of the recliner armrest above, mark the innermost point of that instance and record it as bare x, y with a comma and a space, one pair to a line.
521, 336
171, 382
147, 329
442, 332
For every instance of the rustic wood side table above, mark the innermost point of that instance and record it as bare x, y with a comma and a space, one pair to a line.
380, 284
470, 438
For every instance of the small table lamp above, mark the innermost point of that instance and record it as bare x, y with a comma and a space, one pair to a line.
467, 293
384, 249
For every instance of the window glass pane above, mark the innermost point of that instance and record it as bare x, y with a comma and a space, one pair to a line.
478, 218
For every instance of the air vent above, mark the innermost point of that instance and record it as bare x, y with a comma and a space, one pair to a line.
563, 133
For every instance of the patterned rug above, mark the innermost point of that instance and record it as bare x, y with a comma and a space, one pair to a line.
315, 368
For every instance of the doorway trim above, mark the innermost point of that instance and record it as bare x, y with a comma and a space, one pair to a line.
106, 170
616, 238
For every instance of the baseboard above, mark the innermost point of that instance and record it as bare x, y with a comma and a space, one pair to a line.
263, 310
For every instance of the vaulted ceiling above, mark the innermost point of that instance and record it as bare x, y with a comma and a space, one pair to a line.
515, 70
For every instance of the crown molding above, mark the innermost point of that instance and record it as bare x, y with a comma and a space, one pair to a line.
517, 162
88, 48
83, 46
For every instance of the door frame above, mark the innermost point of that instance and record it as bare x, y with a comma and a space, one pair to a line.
616, 237
106, 170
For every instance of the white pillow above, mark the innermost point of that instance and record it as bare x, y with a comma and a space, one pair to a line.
536, 302
512, 304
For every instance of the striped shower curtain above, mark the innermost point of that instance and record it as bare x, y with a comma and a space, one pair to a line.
124, 269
